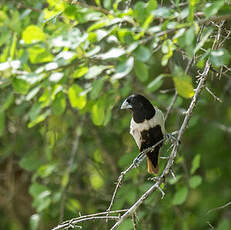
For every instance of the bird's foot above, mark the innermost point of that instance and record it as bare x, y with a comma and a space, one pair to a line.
137, 162
155, 178
172, 138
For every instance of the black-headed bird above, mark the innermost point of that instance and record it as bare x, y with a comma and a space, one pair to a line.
146, 126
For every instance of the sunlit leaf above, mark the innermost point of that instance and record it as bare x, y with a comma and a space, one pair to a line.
183, 83
33, 33
39, 119
94, 71
112, 53
76, 96
220, 57
39, 55
81, 71
97, 113
20, 86
59, 104
124, 68
34, 221
73, 205
142, 53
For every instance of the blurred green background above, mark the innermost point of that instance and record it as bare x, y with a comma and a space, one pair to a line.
66, 67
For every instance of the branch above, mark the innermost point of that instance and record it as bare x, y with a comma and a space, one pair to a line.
172, 157
72, 223
140, 158
70, 165
220, 207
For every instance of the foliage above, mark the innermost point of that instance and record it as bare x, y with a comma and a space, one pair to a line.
65, 68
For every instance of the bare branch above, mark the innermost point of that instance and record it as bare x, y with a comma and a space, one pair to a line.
133, 165
213, 95
72, 223
134, 221
220, 207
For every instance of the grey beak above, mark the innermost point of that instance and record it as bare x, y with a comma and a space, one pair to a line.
125, 105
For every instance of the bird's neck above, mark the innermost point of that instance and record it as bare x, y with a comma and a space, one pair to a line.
140, 116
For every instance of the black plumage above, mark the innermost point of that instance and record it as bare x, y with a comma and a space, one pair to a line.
146, 127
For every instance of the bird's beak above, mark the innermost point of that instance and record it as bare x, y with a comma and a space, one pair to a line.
125, 105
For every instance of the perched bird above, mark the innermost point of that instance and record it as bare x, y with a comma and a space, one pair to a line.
146, 127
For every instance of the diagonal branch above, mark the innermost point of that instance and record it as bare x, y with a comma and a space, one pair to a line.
172, 157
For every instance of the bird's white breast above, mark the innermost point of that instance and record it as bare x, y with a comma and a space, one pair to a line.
137, 128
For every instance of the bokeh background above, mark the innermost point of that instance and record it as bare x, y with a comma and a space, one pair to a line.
66, 67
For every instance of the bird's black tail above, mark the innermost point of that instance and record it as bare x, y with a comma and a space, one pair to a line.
152, 160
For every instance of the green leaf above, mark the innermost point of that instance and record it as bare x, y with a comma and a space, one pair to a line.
33, 34
192, 5
81, 71
156, 83
39, 55
224, 224
39, 119
124, 68
34, 221
59, 103
94, 71
46, 170
77, 98
97, 86
142, 53
195, 163
36, 188
30, 162
73, 205
2, 122
141, 71
43, 201
140, 11
180, 196
112, 53
183, 83
220, 57
8, 101
98, 113
213, 8
20, 85
195, 181
151, 5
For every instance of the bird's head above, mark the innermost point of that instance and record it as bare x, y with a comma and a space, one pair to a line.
136, 102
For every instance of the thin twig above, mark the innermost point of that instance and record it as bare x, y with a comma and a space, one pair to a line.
210, 225
134, 221
101, 215
220, 207
171, 105
213, 95
133, 165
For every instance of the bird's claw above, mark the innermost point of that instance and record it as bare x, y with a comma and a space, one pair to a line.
172, 138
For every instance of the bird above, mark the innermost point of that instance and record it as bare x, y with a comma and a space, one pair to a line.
147, 127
